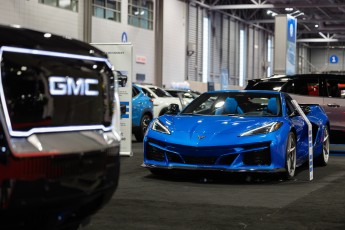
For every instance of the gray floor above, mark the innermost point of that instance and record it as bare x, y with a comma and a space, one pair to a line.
144, 201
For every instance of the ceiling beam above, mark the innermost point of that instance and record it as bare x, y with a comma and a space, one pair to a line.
272, 6
270, 21
317, 40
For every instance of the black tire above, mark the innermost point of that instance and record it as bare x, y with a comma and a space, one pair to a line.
290, 156
71, 227
322, 160
144, 123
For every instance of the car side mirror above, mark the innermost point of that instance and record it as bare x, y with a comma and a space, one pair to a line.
173, 109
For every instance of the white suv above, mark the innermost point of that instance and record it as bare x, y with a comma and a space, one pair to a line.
161, 99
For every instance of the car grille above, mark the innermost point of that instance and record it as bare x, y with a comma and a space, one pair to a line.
228, 159
257, 157
153, 153
200, 160
172, 157
253, 154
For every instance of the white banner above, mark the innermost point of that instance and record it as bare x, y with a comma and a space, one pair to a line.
310, 139
121, 57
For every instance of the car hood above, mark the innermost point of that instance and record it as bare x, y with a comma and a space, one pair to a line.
211, 130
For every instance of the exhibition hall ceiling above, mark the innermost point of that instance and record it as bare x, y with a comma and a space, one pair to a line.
320, 22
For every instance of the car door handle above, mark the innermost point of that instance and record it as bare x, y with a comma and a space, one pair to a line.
333, 105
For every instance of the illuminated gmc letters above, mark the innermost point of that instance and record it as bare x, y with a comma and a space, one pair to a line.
68, 86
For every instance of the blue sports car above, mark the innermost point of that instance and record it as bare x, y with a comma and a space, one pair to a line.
142, 112
240, 131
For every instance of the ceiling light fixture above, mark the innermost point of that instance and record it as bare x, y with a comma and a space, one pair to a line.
271, 12
299, 14
295, 12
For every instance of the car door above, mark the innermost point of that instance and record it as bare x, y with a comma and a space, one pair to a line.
334, 106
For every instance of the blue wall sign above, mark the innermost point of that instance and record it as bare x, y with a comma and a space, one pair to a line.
126, 104
291, 27
333, 59
124, 37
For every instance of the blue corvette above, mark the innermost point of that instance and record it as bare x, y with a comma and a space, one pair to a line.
240, 131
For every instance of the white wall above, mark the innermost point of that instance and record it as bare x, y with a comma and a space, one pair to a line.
319, 59
106, 31
33, 15
174, 42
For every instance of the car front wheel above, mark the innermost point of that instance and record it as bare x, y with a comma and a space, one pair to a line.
144, 123
290, 158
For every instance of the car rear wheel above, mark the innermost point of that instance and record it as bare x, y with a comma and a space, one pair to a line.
290, 158
144, 123
322, 160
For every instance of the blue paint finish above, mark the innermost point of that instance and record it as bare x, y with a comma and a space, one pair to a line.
206, 140
141, 104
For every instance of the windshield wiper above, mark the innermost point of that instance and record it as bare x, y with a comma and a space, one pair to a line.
233, 114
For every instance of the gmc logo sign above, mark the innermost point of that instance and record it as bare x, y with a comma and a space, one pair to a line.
68, 86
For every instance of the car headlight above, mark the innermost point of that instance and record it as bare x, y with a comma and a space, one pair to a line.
271, 127
159, 127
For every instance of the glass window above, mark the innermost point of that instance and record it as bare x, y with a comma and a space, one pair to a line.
290, 108
140, 13
147, 93
160, 92
107, 9
336, 88
234, 104
65, 4
309, 87
135, 91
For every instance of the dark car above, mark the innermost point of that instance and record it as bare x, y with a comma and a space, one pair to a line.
59, 154
327, 90
142, 112
121, 78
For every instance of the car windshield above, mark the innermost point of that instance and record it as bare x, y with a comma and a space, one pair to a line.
160, 92
184, 94
235, 104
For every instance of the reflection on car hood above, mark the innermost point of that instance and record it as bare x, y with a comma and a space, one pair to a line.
212, 130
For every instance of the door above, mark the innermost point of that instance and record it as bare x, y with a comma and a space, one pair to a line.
334, 106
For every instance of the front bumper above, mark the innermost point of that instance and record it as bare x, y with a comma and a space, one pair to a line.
52, 191
249, 157
219, 169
